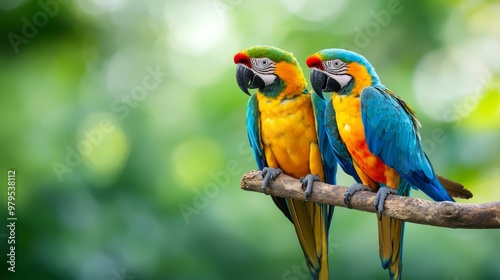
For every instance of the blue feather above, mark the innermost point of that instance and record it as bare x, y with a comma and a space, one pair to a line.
253, 125
329, 162
327, 153
392, 137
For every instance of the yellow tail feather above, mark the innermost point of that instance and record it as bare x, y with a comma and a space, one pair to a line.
390, 236
309, 223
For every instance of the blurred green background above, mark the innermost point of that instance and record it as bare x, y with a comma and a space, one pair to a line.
126, 128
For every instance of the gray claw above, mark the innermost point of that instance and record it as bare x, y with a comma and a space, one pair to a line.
351, 191
382, 194
307, 183
269, 174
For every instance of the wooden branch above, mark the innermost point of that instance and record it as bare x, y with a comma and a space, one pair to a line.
414, 210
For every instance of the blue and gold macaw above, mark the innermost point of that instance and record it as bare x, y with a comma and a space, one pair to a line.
283, 124
375, 138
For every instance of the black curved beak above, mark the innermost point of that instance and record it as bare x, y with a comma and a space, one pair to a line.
247, 79
321, 82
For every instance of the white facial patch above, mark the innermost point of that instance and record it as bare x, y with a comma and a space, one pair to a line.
268, 79
342, 79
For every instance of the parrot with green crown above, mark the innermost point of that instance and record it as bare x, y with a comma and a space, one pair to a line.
375, 138
286, 130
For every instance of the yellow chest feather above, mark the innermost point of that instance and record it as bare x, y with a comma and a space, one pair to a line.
348, 115
287, 131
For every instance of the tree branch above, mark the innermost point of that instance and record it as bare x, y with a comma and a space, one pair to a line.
409, 209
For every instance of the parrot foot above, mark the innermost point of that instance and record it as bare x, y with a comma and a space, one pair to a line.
380, 199
307, 184
269, 174
351, 191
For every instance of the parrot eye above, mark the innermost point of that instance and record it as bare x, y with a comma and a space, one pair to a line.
263, 63
334, 64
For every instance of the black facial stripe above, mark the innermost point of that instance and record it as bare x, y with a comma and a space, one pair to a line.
267, 71
340, 71
258, 66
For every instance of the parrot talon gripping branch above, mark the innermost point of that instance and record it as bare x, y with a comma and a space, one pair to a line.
380, 198
269, 174
307, 184
351, 191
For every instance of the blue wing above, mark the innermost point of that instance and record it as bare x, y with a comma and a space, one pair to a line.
253, 132
391, 134
339, 149
328, 158
329, 162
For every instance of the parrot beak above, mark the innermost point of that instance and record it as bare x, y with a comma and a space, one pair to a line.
321, 82
246, 78
318, 80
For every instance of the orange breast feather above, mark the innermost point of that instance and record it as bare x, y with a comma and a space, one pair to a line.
350, 125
